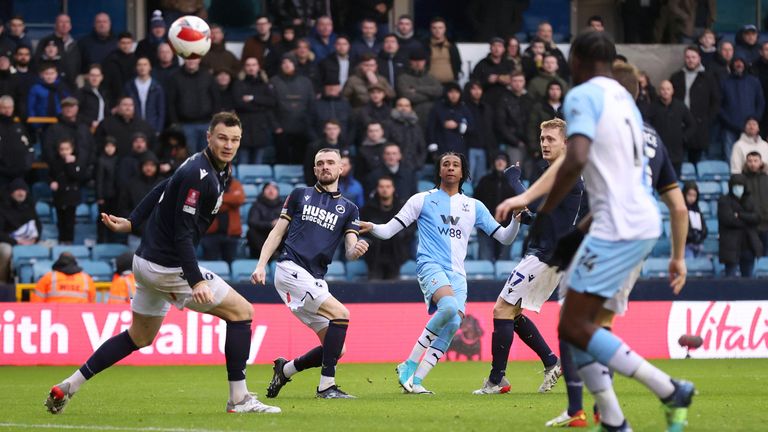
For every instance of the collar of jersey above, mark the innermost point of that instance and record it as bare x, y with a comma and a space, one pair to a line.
209, 155
320, 189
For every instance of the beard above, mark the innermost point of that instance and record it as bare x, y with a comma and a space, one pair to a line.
327, 181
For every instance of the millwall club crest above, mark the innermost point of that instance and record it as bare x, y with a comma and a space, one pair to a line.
340, 209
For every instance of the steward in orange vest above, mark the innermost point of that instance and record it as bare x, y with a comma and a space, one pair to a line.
123, 282
66, 283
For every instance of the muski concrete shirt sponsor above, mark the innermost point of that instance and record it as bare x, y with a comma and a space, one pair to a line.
325, 218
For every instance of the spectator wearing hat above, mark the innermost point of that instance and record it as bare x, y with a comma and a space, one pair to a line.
221, 240
444, 57
331, 106
264, 46
367, 42
66, 173
747, 46
255, 103
421, 88
19, 224
142, 182
481, 139
449, 123
67, 48
192, 99
391, 60
218, 57
147, 47
120, 65
738, 221
494, 72
106, 188
492, 189
749, 141
331, 138
123, 285
404, 130
95, 46
165, 67
365, 75
147, 94
375, 110
742, 98
295, 99
263, 216
16, 154
65, 283
337, 66
95, 100
72, 128
225, 88
45, 96
122, 126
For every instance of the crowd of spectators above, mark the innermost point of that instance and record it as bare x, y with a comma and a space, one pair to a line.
129, 112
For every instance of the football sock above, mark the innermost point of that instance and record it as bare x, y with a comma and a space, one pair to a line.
311, 359
655, 379
425, 340
437, 349
573, 383
238, 390
598, 380
237, 346
501, 342
75, 381
325, 382
430, 360
332, 346
529, 334
110, 352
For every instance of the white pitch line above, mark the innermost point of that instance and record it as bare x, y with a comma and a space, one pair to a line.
105, 428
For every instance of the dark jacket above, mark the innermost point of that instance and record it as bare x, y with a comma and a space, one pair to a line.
395, 249
226, 97
738, 221
563, 70
14, 215
106, 177
511, 123
492, 189
391, 66
405, 178
695, 236
295, 100
422, 89
147, 47
760, 69
219, 58
757, 185
404, 130
118, 67
164, 76
541, 112
332, 108
70, 56
191, 97
154, 112
704, 105
89, 103
80, 133
360, 48
492, 92
260, 217
267, 53
366, 114
742, 97
16, 153
258, 114
481, 136
449, 139
94, 49
742, 49
69, 176
131, 196
123, 130
328, 70
675, 126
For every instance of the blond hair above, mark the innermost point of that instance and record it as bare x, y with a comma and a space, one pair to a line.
628, 76
555, 123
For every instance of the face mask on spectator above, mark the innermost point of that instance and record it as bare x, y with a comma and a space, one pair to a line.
738, 191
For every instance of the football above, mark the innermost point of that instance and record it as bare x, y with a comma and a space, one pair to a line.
190, 37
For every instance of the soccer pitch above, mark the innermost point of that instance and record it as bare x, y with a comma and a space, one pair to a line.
732, 396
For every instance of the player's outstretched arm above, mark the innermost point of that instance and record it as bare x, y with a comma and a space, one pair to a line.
541, 187
274, 238
115, 223
355, 247
678, 215
506, 235
147, 204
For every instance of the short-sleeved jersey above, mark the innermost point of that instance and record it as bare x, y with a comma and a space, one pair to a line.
659, 170
319, 220
619, 194
444, 224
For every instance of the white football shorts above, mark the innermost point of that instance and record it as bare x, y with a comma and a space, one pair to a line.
302, 293
531, 283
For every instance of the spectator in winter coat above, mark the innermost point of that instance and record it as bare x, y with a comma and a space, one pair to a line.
673, 122
750, 141
122, 127
120, 65
157, 35
147, 94
225, 89
756, 177
95, 46
537, 87
166, 66
337, 66
365, 76
384, 257
404, 130
331, 106
647, 94
67, 48
331, 138
349, 187
492, 189
697, 228
295, 99
449, 122
171, 150
19, 224
742, 98
9, 82
255, 102
45, 96
367, 43
738, 221
66, 174
721, 67
369, 150
481, 139
406, 37
16, 154
221, 240
421, 88
760, 70
69, 127
26, 75
144, 180
106, 188
263, 46
129, 167
305, 63
375, 110
545, 34
95, 100
394, 167
548, 108
494, 73
444, 57
747, 46
192, 99
322, 38
391, 60
511, 122
263, 216
218, 57
17, 32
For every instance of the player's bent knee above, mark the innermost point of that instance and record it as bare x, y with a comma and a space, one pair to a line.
448, 305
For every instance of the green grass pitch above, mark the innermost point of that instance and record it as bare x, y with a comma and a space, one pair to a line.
733, 396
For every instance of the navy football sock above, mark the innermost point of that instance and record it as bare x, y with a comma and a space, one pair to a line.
529, 334
110, 352
332, 346
501, 342
237, 346
311, 359
573, 383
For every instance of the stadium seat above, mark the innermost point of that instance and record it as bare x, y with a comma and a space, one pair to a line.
713, 226
336, 272
473, 249
242, 269
244, 209
688, 172
711, 245
712, 208
709, 190
700, 267
29, 253
357, 270
257, 174
50, 232
516, 251
656, 268
42, 192
86, 233
761, 269
427, 172
40, 268
221, 268
285, 189
289, 173
425, 185
44, 212
408, 270
79, 251
661, 248
705, 209
468, 189
251, 192
83, 214
713, 170
504, 268
100, 271
479, 269
108, 251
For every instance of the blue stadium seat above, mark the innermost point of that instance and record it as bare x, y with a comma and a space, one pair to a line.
705, 209
79, 251
50, 232
656, 268
86, 233
244, 209
29, 253
108, 251
100, 271
479, 269
286, 188
661, 248
44, 212
83, 214
221, 268
761, 269
427, 172
504, 268
688, 172
254, 173
408, 270
468, 189
251, 192
42, 192
709, 190
713, 226
712, 208
40, 268
516, 251
336, 272
713, 170
425, 185
700, 267
473, 249
289, 173
711, 245
357, 270
242, 269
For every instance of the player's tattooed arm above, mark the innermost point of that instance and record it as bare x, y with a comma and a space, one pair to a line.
274, 238
355, 247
